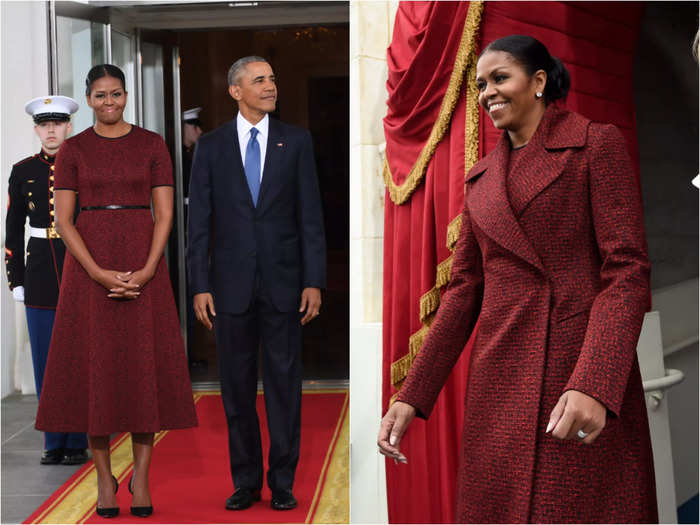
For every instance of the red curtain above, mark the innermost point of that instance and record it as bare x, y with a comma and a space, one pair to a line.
432, 138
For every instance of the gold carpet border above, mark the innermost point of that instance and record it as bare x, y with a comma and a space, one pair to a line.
465, 60
334, 500
430, 301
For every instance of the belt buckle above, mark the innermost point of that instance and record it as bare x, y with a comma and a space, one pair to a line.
51, 233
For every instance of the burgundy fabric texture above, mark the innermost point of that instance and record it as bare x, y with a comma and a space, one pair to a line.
559, 279
115, 365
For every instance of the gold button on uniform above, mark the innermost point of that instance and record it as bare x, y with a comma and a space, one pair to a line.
53, 167
29, 194
51, 200
51, 212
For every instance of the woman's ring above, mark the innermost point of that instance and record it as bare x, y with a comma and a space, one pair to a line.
582, 434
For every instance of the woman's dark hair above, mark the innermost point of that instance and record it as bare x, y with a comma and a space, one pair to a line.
533, 55
103, 70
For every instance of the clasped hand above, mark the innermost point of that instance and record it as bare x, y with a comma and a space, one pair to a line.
123, 285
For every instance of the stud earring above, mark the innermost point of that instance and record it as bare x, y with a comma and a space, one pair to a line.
538, 94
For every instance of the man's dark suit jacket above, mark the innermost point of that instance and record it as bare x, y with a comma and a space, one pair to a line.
282, 238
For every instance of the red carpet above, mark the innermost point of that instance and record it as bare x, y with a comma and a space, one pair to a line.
190, 477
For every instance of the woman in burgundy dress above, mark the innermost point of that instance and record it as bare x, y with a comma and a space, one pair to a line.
552, 261
117, 361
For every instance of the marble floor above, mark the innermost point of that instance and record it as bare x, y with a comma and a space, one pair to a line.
25, 483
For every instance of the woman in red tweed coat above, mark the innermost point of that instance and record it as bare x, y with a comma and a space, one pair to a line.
552, 260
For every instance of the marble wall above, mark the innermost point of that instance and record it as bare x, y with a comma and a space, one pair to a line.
371, 25
25, 76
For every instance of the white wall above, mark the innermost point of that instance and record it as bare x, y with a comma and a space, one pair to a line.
24, 76
371, 25
678, 307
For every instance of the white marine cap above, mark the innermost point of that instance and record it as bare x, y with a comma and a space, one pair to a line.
191, 114
51, 107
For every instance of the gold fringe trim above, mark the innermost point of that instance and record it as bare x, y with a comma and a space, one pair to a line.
453, 232
430, 301
466, 55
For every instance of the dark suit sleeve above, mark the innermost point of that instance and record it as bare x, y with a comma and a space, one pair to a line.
199, 222
615, 321
14, 227
310, 219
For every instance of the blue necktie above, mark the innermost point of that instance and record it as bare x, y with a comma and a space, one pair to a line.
252, 165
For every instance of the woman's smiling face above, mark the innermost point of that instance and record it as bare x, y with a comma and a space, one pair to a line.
107, 98
507, 92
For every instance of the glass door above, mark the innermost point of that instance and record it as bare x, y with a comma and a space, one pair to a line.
80, 44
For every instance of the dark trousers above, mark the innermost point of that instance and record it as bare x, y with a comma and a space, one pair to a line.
238, 337
40, 326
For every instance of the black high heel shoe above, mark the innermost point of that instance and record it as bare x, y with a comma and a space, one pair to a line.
139, 512
109, 512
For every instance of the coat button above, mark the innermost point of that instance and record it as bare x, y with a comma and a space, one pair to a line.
51, 177
51, 212
51, 200
53, 167
29, 194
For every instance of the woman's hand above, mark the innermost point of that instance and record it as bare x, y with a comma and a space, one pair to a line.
577, 412
117, 283
393, 426
133, 282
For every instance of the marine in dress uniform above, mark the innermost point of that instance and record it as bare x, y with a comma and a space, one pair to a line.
36, 282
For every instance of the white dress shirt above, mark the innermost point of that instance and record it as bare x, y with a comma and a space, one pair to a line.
263, 128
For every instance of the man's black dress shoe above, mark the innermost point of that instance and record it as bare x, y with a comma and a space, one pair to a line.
52, 457
74, 456
242, 499
283, 500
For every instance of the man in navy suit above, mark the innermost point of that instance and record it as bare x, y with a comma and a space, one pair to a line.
257, 262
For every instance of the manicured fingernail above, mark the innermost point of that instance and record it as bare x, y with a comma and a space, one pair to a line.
392, 440
550, 426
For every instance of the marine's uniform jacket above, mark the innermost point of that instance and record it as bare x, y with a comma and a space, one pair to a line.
31, 195
558, 275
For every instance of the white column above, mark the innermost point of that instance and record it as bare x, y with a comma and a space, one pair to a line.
371, 24
24, 76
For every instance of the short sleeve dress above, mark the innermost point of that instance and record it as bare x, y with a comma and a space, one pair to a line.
115, 365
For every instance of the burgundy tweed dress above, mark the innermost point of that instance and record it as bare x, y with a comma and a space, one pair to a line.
115, 365
552, 260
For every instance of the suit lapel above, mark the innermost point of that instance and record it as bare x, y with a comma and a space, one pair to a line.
271, 182
490, 209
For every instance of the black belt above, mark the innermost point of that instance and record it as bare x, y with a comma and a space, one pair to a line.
114, 207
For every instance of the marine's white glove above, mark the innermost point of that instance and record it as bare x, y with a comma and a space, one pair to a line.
18, 294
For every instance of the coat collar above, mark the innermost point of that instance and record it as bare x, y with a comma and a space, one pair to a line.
559, 129
541, 164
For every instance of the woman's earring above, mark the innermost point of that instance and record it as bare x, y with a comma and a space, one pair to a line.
538, 94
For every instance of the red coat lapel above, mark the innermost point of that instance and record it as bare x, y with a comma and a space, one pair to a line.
543, 161
489, 206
